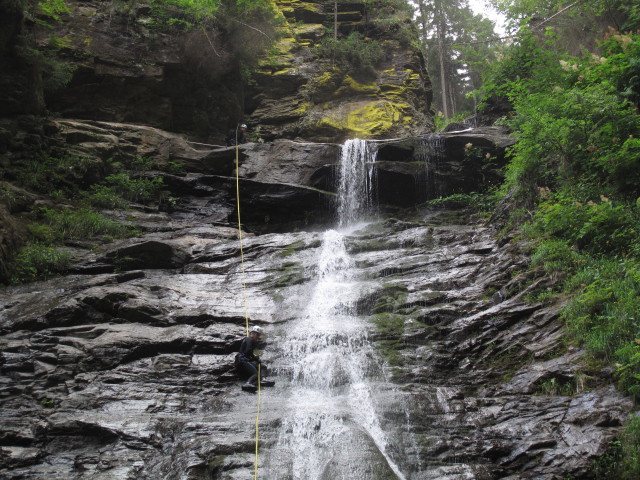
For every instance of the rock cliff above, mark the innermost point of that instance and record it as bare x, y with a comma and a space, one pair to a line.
127, 66
123, 368
302, 93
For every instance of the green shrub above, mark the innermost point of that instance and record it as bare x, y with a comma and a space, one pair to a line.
37, 261
52, 9
132, 189
555, 255
594, 227
176, 168
479, 202
63, 175
67, 224
622, 458
102, 196
355, 53
604, 316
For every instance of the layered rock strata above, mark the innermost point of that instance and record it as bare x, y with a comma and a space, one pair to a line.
301, 94
130, 372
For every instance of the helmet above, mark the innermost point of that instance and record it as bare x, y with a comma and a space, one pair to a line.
256, 329
244, 125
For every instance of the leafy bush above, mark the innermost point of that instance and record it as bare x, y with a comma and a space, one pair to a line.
37, 261
53, 174
102, 196
67, 224
353, 53
132, 189
555, 256
605, 316
576, 170
597, 228
622, 458
479, 202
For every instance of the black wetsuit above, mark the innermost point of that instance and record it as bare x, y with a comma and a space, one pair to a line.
231, 137
247, 363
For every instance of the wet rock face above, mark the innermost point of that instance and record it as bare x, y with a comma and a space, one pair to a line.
129, 372
129, 70
124, 367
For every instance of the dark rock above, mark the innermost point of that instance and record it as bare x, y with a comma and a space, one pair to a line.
148, 255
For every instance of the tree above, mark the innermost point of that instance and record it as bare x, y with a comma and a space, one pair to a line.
459, 46
577, 23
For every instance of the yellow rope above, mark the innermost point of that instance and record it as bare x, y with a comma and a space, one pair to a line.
244, 295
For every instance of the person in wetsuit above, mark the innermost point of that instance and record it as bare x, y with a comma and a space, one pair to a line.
247, 363
236, 136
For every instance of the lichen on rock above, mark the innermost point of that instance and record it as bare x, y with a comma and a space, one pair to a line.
389, 99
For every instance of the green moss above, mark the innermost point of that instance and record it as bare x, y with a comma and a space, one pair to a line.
390, 298
389, 349
350, 86
292, 248
389, 323
289, 273
368, 119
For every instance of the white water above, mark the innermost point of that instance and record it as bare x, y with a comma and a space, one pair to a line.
331, 429
356, 181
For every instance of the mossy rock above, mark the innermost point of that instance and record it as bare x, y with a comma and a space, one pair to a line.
292, 248
290, 273
367, 119
389, 325
351, 87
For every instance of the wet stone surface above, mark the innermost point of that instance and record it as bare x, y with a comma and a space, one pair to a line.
130, 374
124, 368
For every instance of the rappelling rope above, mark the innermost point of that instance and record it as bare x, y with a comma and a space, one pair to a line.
244, 296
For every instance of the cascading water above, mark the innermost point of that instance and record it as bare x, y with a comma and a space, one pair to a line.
356, 181
331, 429
430, 150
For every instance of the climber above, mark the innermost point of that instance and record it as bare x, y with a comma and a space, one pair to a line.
236, 133
248, 364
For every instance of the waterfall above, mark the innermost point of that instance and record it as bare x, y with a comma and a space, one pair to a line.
430, 150
331, 429
355, 181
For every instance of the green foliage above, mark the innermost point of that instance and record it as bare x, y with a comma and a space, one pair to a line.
554, 386
131, 189
595, 228
52, 9
176, 168
555, 255
103, 196
575, 172
52, 174
193, 9
37, 261
478, 202
622, 458
441, 122
355, 53
68, 224
392, 19
605, 316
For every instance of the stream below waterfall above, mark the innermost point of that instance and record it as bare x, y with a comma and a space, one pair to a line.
332, 429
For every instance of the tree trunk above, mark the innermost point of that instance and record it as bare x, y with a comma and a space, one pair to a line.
443, 74
335, 19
